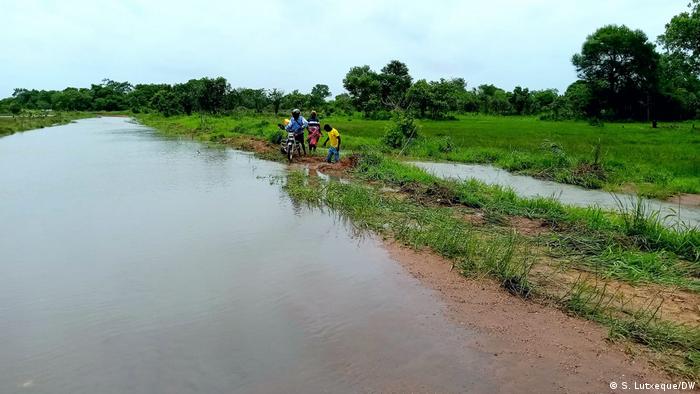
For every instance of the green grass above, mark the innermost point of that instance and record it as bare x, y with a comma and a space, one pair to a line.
11, 125
654, 162
524, 144
629, 228
628, 246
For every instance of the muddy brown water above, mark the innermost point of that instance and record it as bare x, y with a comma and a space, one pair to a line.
526, 186
130, 263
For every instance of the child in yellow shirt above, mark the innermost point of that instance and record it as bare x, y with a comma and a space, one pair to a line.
334, 138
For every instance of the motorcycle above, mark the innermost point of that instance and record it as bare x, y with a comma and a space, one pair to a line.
291, 146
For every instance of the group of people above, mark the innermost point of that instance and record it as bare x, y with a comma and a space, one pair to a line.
297, 124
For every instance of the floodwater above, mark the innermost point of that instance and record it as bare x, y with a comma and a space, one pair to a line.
131, 263
527, 186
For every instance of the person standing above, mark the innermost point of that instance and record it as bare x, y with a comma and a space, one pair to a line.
334, 138
297, 125
314, 131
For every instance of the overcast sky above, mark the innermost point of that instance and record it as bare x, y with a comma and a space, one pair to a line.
296, 44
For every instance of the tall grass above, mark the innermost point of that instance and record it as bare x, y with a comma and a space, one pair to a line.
649, 231
632, 226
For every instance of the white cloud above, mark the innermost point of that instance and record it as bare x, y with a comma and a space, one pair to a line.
53, 44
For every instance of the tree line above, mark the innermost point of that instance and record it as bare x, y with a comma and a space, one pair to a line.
622, 76
204, 95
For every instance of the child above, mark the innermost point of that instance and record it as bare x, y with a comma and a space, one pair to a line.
277, 139
314, 131
334, 138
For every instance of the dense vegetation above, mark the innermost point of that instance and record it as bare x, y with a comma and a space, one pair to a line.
622, 76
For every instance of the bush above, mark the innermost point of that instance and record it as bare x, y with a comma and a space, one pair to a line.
393, 137
596, 122
275, 136
445, 145
401, 131
15, 109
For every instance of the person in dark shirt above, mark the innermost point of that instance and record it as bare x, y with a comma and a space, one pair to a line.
297, 125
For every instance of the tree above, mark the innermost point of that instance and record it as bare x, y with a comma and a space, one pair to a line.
542, 100
394, 82
679, 96
445, 95
620, 67
493, 100
363, 85
296, 99
419, 96
436, 98
578, 97
468, 102
212, 95
24, 98
110, 95
275, 97
521, 100
15, 108
142, 95
682, 37
256, 99
318, 95
342, 103
166, 102
188, 94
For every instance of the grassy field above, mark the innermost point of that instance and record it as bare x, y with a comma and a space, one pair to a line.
632, 156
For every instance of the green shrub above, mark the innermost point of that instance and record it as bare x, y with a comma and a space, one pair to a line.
445, 144
401, 131
275, 136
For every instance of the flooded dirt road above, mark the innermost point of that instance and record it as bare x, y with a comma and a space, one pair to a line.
130, 263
